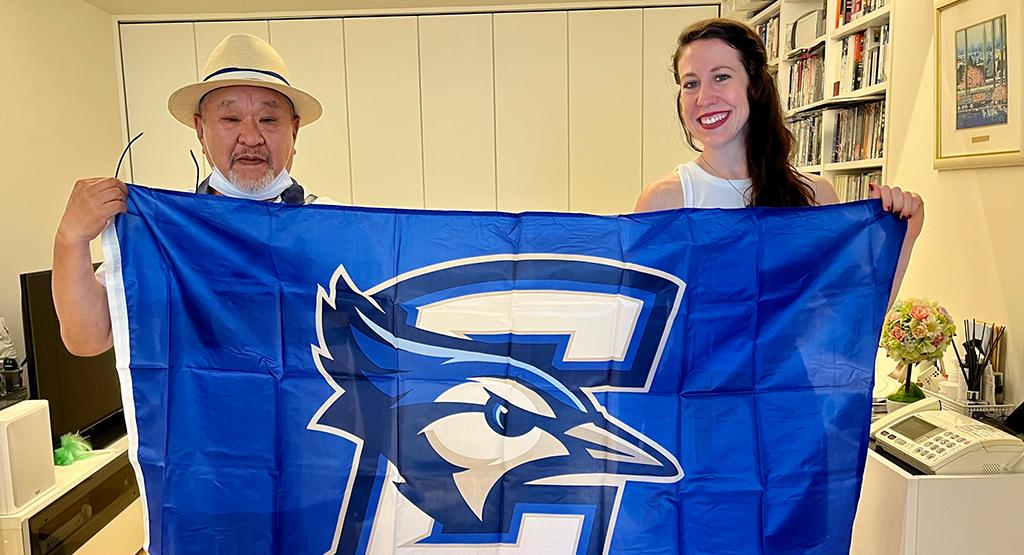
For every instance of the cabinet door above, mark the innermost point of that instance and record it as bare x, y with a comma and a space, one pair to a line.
664, 144
314, 51
384, 111
457, 87
605, 107
158, 58
531, 111
210, 33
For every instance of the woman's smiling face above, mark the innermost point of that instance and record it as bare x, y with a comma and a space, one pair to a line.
713, 93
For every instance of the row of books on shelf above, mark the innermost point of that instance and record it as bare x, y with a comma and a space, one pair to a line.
858, 132
854, 187
807, 134
857, 135
769, 33
806, 79
849, 10
862, 60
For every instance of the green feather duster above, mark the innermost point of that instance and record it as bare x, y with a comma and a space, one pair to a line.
73, 447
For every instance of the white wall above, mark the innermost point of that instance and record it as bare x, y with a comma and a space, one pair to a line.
61, 121
969, 255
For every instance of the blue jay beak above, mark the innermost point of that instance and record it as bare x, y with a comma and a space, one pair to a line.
610, 447
619, 454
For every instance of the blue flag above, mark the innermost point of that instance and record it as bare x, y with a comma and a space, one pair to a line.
329, 379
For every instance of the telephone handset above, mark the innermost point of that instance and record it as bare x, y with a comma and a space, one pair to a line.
945, 442
928, 403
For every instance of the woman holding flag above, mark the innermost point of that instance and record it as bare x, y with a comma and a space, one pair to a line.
731, 113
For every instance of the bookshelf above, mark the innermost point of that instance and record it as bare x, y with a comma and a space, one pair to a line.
766, 23
832, 60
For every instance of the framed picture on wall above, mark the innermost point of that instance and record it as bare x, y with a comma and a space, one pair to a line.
979, 95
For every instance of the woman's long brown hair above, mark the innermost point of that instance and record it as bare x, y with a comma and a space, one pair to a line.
774, 181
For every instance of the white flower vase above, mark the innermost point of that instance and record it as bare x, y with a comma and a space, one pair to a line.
903, 376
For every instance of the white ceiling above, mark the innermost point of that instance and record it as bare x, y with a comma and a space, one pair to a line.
168, 8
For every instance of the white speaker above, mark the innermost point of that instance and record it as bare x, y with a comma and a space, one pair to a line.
26, 454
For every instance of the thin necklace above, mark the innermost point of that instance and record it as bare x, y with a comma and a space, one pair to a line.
719, 175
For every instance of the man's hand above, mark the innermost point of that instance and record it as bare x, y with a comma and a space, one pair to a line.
92, 204
81, 300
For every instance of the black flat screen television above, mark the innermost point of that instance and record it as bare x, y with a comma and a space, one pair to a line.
83, 392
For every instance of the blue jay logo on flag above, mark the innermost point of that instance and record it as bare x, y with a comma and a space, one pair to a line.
472, 390
453, 383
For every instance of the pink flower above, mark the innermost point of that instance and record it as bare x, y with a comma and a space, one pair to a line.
897, 334
939, 338
919, 312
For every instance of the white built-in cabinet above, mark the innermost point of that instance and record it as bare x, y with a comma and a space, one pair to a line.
321, 154
385, 122
565, 110
156, 60
458, 121
905, 514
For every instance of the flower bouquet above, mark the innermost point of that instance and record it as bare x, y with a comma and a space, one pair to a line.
915, 330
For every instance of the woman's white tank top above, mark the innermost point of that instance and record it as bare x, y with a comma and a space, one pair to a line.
703, 190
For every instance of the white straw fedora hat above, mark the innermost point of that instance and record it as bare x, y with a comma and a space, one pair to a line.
242, 60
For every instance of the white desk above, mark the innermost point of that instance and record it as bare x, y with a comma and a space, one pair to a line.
903, 514
122, 536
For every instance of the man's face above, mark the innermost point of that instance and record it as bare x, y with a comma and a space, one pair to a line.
248, 133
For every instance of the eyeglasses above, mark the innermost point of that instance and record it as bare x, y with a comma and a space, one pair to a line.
128, 147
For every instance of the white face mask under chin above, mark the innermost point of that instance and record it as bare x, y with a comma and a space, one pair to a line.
225, 187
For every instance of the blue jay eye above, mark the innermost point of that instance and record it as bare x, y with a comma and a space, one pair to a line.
507, 409
498, 417
506, 419
496, 414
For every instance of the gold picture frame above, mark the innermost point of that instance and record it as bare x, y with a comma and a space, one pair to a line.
979, 92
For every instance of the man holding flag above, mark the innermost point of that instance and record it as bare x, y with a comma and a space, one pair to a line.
247, 117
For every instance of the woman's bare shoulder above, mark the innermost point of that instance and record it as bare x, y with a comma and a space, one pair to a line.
663, 194
824, 193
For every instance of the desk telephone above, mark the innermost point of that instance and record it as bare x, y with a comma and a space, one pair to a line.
945, 442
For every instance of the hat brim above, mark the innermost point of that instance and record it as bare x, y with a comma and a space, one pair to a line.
184, 102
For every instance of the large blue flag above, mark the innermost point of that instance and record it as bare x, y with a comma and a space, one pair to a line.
328, 379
